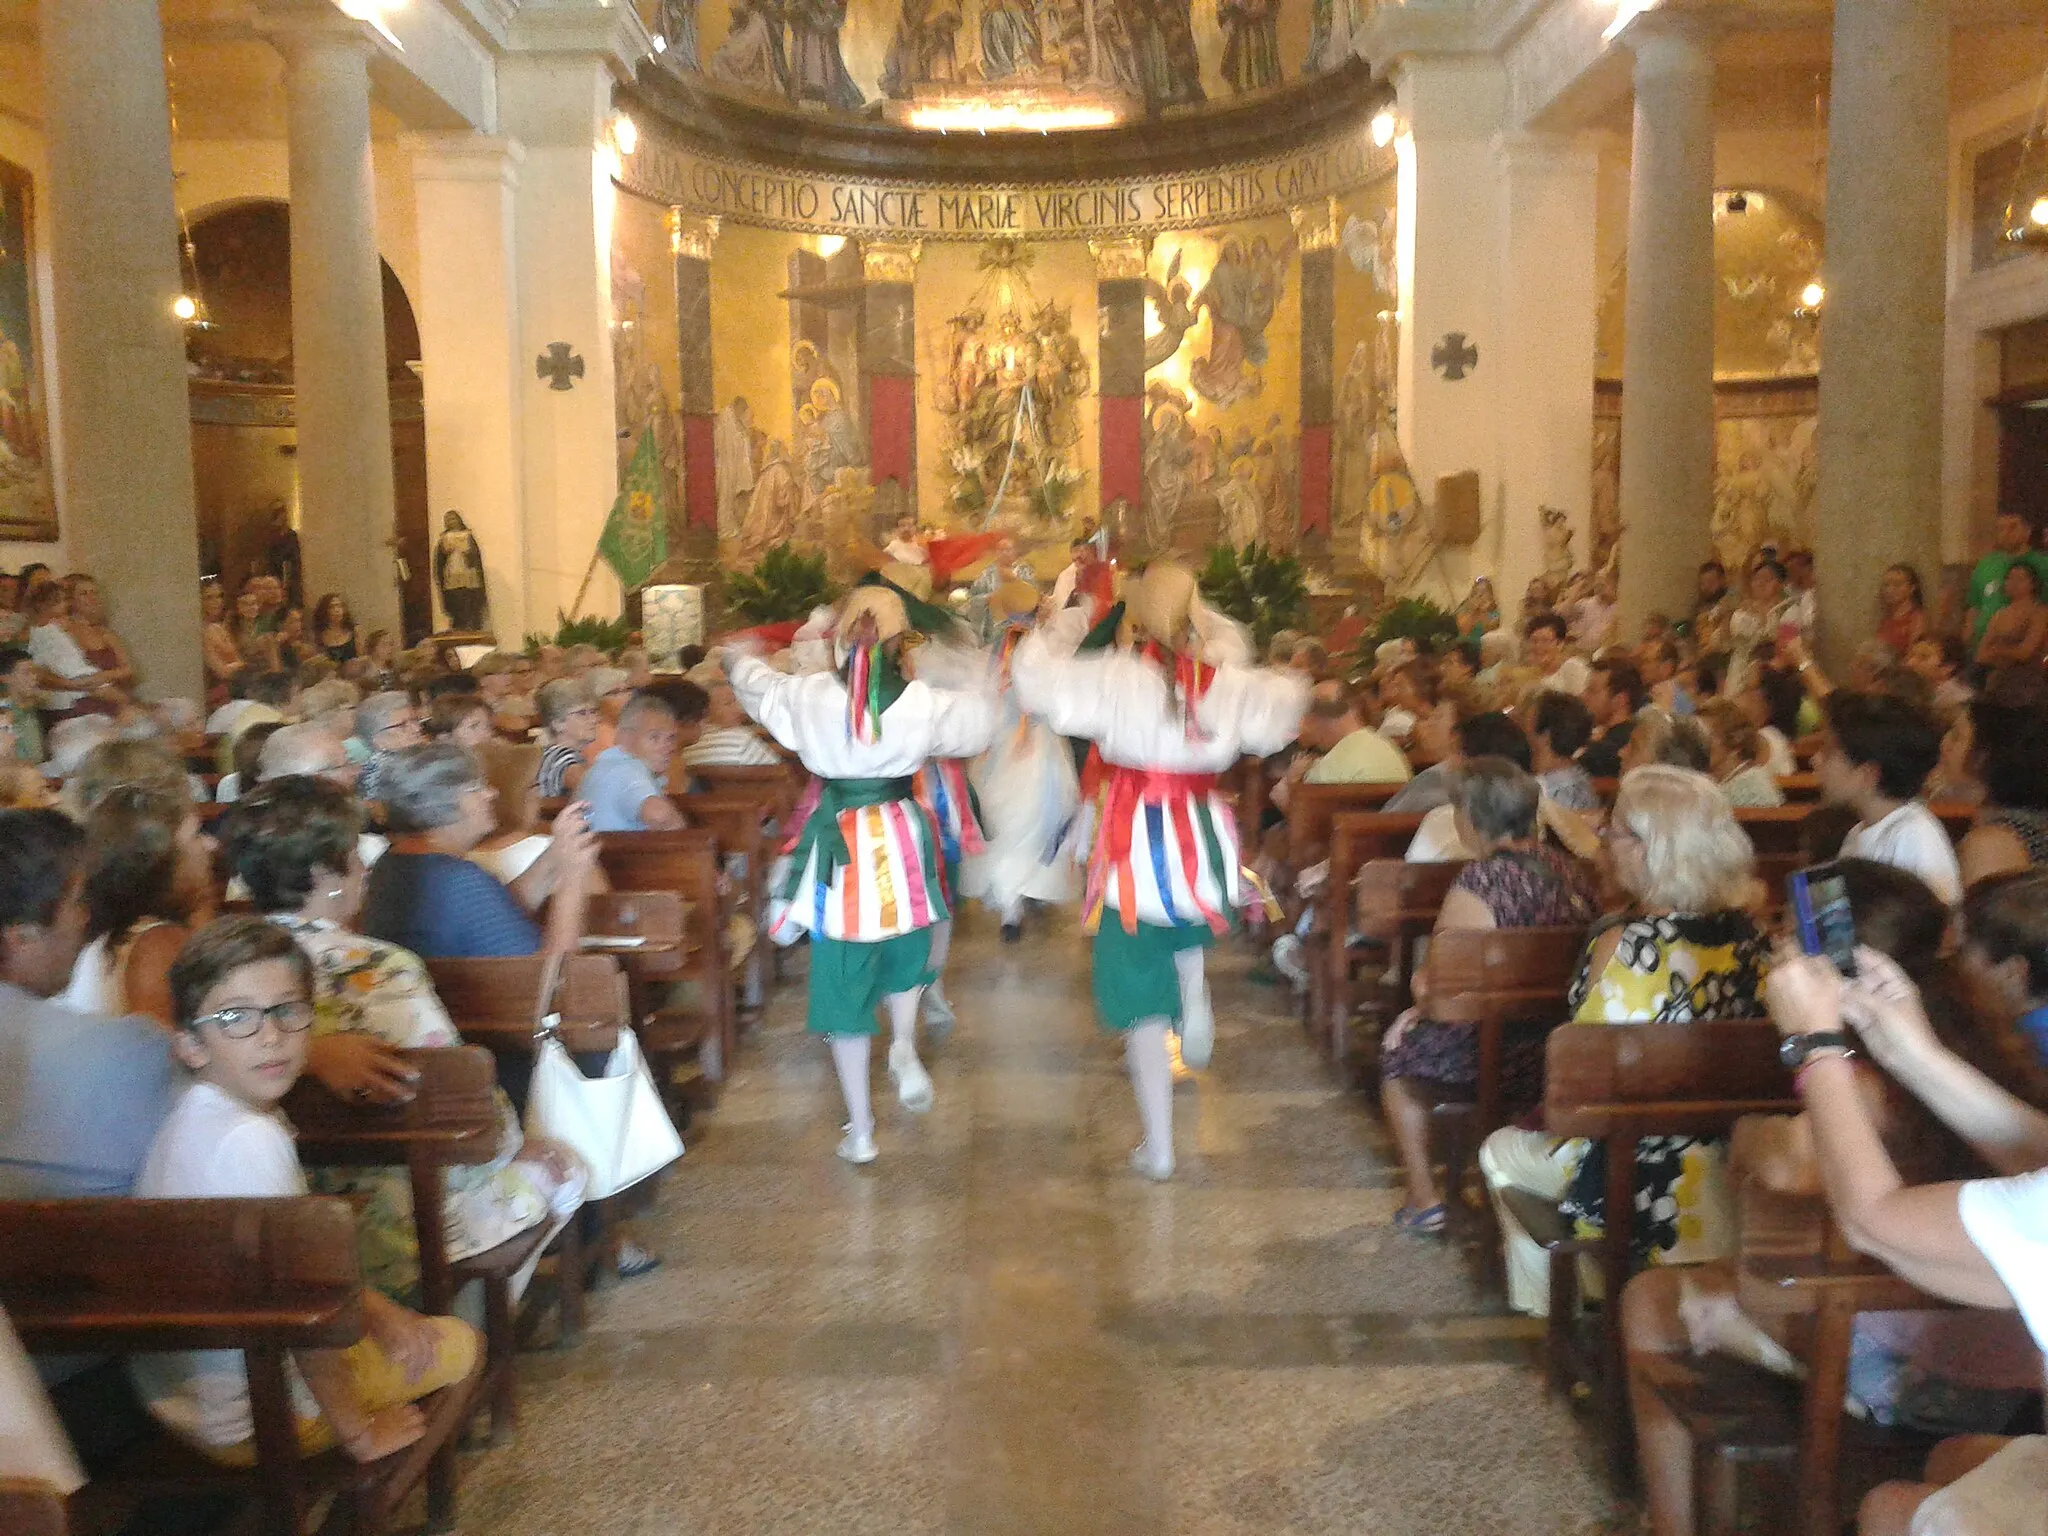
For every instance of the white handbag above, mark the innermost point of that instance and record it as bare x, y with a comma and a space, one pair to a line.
615, 1121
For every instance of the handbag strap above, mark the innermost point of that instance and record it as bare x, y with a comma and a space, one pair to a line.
546, 1021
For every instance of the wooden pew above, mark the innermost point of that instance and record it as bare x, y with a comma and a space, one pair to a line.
263, 1276
1394, 906
451, 1120
1490, 979
30, 1508
1617, 1083
740, 820
686, 862
1313, 808
781, 785
1355, 838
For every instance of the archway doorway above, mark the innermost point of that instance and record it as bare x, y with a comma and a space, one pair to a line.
244, 428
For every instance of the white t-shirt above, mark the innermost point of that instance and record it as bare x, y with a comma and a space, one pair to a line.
51, 647
1570, 676
2008, 1221
1911, 838
1784, 761
213, 1146
1436, 841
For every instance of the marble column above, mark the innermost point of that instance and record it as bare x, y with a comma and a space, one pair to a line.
888, 364
340, 391
468, 311
1667, 398
1315, 227
123, 435
692, 240
1879, 440
1120, 368
1550, 299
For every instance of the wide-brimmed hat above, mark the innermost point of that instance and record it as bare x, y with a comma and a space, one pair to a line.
1159, 602
876, 602
914, 579
1013, 600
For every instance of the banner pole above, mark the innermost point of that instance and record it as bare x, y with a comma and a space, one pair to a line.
583, 586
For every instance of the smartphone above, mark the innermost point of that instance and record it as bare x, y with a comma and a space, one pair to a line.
1819, 899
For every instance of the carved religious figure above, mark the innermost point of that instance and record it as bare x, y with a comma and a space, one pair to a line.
678, 32
732, 449
1351, 440
1173, 311
834, 441
924, 50
459, 572
1557, 547
1251, 43
772, 506
1011, 44
817, 71
1162, 35
1240, 296
752, 54
1330, 25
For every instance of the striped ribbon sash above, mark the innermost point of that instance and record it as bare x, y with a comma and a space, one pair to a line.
1177, 810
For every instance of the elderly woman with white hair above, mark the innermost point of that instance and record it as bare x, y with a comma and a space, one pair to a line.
864, 872
1169, 710
1685, 951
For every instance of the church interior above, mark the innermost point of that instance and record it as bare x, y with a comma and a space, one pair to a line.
626, 308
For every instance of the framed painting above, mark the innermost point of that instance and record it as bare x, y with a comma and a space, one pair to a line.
28, 505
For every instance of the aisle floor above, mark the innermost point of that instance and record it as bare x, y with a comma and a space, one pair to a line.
997, 1328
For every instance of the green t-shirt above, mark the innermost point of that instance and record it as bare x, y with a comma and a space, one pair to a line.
1987, 584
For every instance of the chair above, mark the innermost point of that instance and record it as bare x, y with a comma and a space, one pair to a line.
263, 1276
451, 1120
1617, 1083
1490, 978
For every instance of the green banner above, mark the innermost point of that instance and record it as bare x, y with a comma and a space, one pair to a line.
635, 538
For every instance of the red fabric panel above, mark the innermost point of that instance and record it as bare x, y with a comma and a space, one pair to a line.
957, 553
892, 428
700, 472
1315, 479
1123, 448
772, 637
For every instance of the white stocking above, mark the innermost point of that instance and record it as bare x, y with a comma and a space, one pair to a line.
1013, 909
850, 1059
942, 945
1152, 1082
902, 1007
1194, 987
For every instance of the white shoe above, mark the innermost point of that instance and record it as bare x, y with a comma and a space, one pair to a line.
1174, 1064
857, 1150
1152, 1165
1197, 1031
935, 1013
913, 1083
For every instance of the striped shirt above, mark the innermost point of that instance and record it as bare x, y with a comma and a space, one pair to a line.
555, 764
730, 746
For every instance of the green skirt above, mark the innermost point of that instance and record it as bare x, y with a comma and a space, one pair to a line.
1134, 972
849, 980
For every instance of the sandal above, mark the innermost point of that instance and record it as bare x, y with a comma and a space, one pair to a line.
1428, 1222
635, 1261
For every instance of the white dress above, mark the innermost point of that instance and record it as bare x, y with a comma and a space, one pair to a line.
1029, 798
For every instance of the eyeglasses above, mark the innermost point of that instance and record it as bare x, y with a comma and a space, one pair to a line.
244, 1021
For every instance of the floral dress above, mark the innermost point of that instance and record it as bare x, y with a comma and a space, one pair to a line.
367, 986
1677, 968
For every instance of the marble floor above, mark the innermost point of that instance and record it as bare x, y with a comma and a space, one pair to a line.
997, 1328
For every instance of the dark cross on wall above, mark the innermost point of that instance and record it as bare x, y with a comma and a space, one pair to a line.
1454, 357
559, 365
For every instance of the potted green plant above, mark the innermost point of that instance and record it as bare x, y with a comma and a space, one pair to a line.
787, 584
1259, 587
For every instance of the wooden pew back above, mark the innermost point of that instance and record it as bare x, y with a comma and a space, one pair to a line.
1313, 808
493, 1001
451, 1119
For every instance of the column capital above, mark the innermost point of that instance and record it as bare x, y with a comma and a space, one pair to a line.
461, 156
891, 263
1526, 151
689, 235
1671, 43
589, 28
303, 29
1119, 258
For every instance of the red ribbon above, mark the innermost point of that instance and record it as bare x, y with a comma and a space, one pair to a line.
1128, 789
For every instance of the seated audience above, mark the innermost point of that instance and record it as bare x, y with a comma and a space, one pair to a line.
331, 706
2003, 961
1543, 653
246, 756
1771, 700
148, 888
517, 840
1408, 692
1903, 604
333, 628
2011, 762
72, 683
83, 1093
293, 845
1979, 1242
1614, 693
386, 724
1942, 660
254, 698
609, 688
1343, 749
1935, 1372
497, 681
1658, 662
243, 995
568, 720
1438, 840
1686, 951
728, 739
22, 708
2017, 635
381, 651
1559, 726
1739, 760
1512, 881
625, 787
1876, 754
1677, 741
112, 764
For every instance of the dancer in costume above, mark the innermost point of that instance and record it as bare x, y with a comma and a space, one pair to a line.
1026, 781
944, 792
1173, 707
863, 871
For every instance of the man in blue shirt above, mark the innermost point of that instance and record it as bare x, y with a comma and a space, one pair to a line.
626, 788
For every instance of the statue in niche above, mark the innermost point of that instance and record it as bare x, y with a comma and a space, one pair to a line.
1011, 44
1329, 35
1557, 548
752, 54
459, 573
677, 28
772, 506
1251, 43
817, 71
1162, 34
833, 443
1240, 296
1171, 308
924, 50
